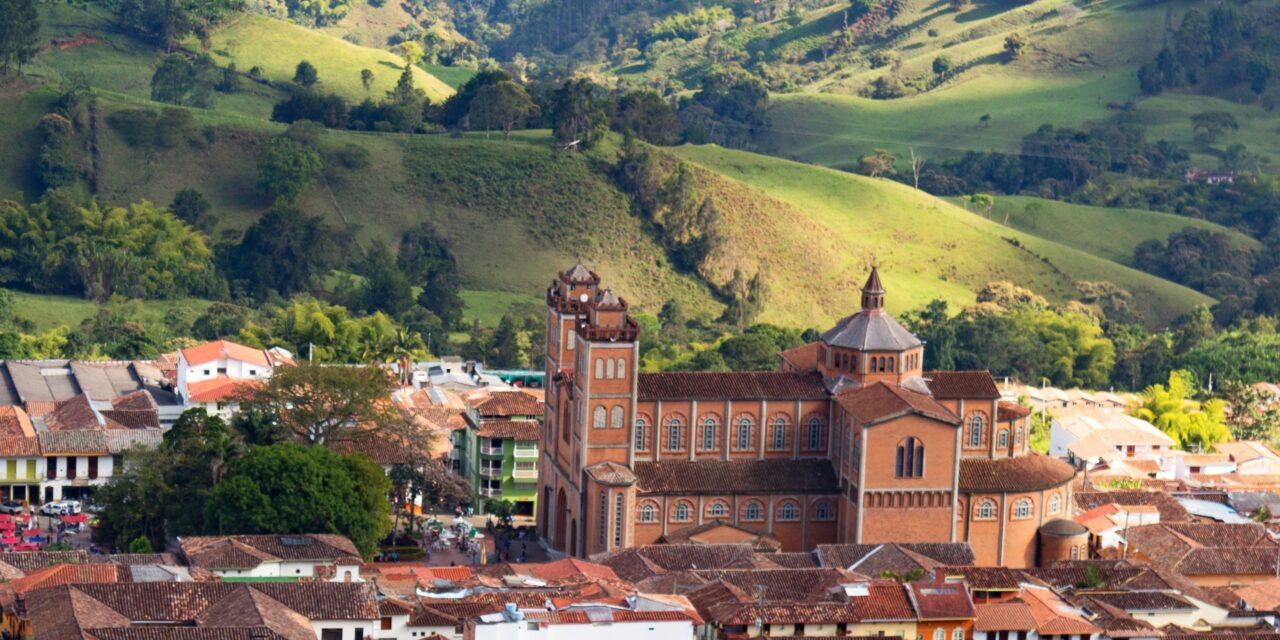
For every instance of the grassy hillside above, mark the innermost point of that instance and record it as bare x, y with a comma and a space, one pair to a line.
1073, 70
256, 40
1106, 233
824, 227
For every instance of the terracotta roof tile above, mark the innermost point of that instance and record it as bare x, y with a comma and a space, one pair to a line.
880, 401
74, 414
525, 430
73, 442
218, 388
510, 403
736, 476
802, 358
721, 532
1030, 472
29, 561
248, 551
67, 574
1008, 411
1170, 509
15, 423
962, 384
873, 559
730, 613
1004, 616
187, 633
223, 349
885, 600
739, 385
639, 563
942, 600
1144, 600
611, 474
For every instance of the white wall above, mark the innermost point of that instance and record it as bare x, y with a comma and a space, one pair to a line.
655, 630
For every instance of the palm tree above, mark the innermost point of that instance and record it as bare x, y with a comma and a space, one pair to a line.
223, 447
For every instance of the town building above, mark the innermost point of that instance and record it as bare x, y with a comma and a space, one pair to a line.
851, 441
250, 558
498, 451
211, 375
1092, 437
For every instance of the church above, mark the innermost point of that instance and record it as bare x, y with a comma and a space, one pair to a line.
849, 441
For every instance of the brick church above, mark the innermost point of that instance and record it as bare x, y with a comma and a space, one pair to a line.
850, 441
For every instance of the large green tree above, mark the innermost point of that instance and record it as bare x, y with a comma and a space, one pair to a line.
317, 403
286, 168
293, 489
503, 105
19, 33
1196, 426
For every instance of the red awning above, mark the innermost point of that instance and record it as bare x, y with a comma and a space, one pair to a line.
78, 518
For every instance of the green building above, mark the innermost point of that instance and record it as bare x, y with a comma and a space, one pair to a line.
499, 451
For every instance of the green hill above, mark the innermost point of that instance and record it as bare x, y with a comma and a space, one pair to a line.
1106, 233
819, 229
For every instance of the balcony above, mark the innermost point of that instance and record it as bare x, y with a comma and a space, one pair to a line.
491, 472
488, 449
524, 474
491, 492
525, 453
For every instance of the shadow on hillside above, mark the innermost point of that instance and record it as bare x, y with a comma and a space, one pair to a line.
983, 11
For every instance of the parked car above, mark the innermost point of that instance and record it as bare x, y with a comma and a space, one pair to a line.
60, 508
11, 507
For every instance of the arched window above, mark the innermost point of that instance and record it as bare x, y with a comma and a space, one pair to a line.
822, 511
717, 510
986, 510
939, 634
617, 520
709, 434
752, 512
622, 369
976, 424
1075, 552
1022, 509
609, 370
789, 512
604, 517
673, 434
599, 368
957, 633
779, 434
599, 416
1004, 438
815, 432
615, 420
1018, 437
647, 513
891, 361
1055, 503
744, 433
641, 442
682, 512
909, 460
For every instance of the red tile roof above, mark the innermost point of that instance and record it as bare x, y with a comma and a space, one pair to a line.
885, 600
879, 401
1170, 509
514, 429
736, 476
218, 388
962, 384
802, 358
738, 385
223, 349
510, 403
60, 574
942, 600
1030, 472
1008, 411
1004, 616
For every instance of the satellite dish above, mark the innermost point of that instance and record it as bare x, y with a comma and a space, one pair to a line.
583, 297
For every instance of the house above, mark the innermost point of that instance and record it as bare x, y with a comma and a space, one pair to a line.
1107, 523
212, 374
1208, 554
269, 557
1036, 612
1196, 174
499, 452
1251, 457
203, 611
944, 608
1188, 465
38, 385
630, 621
1088, 438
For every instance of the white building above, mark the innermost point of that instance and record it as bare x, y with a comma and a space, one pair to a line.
256, 557
1100, 437
641, 621
209, 375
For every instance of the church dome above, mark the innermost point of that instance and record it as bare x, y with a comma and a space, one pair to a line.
871, 329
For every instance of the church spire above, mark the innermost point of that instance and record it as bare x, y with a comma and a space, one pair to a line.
873, 292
